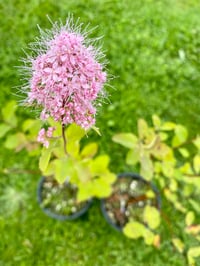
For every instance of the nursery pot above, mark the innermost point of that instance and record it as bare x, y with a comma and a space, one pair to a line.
59, 201
128, 200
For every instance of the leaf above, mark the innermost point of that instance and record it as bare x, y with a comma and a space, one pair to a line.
156, 121
134, 230
156, 241
178, 244
146, 170
148, 236
74, 133
101, 188
168, 126
192, 253
197, 142
89, 150
180, 137
127, 140
195, 205
196, 163
8, 113
64, 169
167, 168
184, 152
96, 129
99, 165
132, 156
193, 229
85, 191
142, 128
31, 125
189, 219
186, 169
73, 148
4, 128
151, 216
16, 141
44, 159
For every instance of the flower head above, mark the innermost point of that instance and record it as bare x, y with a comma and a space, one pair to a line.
66, 77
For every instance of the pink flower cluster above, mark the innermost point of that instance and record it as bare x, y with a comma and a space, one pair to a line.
44, 135
67, 78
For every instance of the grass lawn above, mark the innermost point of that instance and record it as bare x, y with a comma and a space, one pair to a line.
153, 48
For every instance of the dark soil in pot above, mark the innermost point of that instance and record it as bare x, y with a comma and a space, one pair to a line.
128, 200
59, 200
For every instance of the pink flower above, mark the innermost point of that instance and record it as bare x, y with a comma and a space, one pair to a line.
66, 76
44, 136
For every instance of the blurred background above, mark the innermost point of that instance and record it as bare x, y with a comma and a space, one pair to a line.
153, 53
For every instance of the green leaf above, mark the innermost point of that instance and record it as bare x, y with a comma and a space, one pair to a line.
147, 169
180, 137
89, 150
32, 126
85, 191
4, 128
189, 219
73, 148
192, 253
196, 163
74, 133
148, 237
16, 141
156, 121
132, 156
197, 142
151, 216
134, 230
101, 188
184, 152
8, 113
44, 158
64, 169
96, 129
195, 205
127, 140
99, 165
178, 244
168, 126
142, 128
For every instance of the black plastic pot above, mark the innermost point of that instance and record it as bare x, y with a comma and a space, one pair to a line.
48, 211
142, 182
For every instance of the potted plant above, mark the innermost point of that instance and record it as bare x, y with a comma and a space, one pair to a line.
66, 79
164, 155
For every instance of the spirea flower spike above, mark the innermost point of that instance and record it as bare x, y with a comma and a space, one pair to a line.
66, 75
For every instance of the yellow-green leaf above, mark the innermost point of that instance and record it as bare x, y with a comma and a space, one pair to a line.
89, 150
99, 165
132, 156
134, 230
184, 152
8, 113
178, 244
196, 163
181, 135
168, 126
4, 128
192, 253
74, 133
189, 219
44, 159
156, 121
148, 237
197, 142
146, 170
64, 169
127, 140
151, 216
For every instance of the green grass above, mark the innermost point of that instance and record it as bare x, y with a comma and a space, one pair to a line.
153, 51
